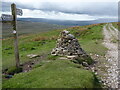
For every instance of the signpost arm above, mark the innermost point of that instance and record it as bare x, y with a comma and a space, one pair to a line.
13, 8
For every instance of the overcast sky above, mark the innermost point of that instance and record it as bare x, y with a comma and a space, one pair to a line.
65, 9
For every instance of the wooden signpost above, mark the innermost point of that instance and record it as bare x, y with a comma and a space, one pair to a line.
13, 18
13, 8
14, 23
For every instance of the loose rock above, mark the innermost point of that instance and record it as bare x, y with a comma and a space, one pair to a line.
32, 56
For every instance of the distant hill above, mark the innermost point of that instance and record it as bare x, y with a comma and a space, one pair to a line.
25, 27
69, 22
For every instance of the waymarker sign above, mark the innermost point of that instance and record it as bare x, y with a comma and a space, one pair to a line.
13, 19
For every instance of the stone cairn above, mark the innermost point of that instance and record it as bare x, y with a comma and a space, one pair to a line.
68, 45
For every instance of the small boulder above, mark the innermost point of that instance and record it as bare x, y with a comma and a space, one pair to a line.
85, 64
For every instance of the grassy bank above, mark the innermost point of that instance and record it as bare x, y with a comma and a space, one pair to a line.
115, 24
52, 72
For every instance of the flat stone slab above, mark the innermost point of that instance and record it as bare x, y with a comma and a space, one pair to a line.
63, 58
32, 56
72, 57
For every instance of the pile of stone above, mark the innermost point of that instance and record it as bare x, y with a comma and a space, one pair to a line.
68, 45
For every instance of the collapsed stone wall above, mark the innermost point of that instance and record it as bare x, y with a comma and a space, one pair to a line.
68, 45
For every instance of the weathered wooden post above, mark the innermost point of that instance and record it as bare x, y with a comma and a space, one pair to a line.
13, 18
14, 22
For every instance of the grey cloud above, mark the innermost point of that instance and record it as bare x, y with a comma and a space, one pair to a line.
6, 6
91, 8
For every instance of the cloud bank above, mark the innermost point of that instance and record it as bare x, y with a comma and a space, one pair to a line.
65, 10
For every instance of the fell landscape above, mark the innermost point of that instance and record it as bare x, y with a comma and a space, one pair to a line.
66, 55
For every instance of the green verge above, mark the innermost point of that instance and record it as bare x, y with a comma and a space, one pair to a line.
115, 24
54, 74
91, 38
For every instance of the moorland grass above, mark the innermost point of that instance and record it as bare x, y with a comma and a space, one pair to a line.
54, 74
90, 38
115, 24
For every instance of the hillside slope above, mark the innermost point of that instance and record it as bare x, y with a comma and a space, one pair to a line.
70, 22
50, 71
54, 74
42, 43
28, 28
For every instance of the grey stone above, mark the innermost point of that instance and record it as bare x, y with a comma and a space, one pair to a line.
66, 31
70, 36
32, 56
85, 64
72, 57
63, 58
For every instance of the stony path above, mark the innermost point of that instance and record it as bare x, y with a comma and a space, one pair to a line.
111, 33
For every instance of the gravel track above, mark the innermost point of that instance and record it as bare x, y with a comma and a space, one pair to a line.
111, 32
